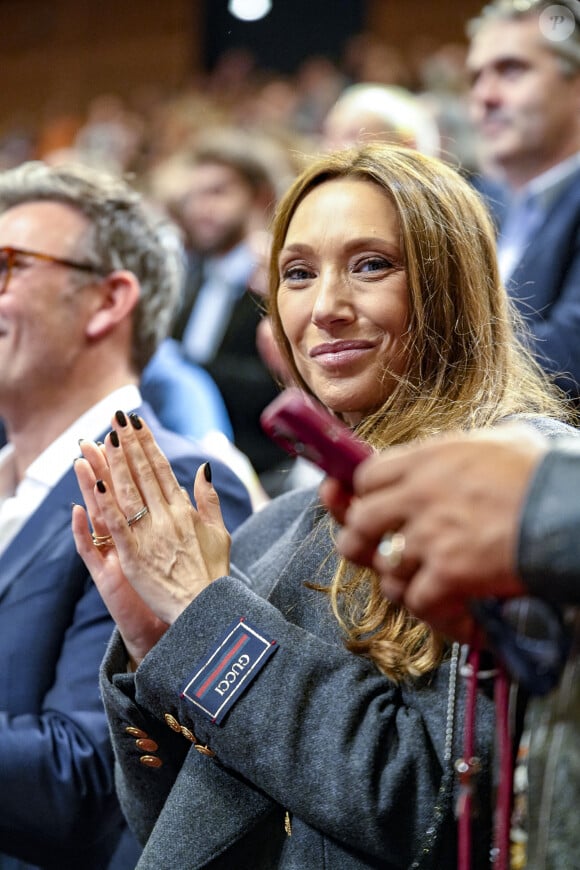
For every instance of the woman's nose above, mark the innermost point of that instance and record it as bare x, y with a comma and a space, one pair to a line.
333, 301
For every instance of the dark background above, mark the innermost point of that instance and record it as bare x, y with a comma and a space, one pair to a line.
290, 31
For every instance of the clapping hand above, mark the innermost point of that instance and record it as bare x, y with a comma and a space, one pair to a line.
151, 552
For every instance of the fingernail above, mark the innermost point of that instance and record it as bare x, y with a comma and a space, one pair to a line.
81, 441
101, 486
121, 419
114, 438
207, 472
135, 421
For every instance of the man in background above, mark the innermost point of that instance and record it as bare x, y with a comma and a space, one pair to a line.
524, 63
88, 283
230, 183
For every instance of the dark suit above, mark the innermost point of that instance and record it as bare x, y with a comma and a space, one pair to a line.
246, 384
236, 366
545, 286
57, 802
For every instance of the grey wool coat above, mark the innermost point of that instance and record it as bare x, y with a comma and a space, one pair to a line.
319, 742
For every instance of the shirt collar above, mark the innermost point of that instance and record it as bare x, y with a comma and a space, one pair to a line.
544, 189
8, 479
235, 267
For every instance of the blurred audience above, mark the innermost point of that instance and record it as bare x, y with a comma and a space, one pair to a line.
111, 134
227, 186
417, 94
384, 113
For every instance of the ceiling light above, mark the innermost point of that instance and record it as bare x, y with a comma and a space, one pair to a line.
249, 10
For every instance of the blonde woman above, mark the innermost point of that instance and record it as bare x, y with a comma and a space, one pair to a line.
292, 717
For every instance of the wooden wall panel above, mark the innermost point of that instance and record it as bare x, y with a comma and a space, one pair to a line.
405, 21
57, 54
62, 52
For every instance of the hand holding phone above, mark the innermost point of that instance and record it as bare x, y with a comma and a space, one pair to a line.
303, 427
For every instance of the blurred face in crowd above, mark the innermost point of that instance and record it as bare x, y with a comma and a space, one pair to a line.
524, 108
345, 126
342, 298
217, 208
44, 308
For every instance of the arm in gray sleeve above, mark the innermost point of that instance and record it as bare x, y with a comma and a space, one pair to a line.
549, 544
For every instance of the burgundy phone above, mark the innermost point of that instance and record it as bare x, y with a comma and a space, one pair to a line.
303, 427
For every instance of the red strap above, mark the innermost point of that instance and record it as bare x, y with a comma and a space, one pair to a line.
506, 772
464, 767
468, 766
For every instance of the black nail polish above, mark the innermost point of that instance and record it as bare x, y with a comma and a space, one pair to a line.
114, 438
121, 419
101, 486
135, 421
207, 472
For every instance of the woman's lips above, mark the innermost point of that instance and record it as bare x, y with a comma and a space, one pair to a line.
335, 353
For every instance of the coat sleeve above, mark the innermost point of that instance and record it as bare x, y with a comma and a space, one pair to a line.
151, 794
158, 760
319, 732
549, 544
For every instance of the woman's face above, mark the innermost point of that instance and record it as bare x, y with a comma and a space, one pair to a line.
342, 296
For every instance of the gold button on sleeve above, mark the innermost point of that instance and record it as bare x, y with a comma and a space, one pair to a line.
135, 732
205, 750
189, 735
146, 744
151, 761
172, 722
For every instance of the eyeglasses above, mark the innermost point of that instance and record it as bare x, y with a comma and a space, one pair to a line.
9, 258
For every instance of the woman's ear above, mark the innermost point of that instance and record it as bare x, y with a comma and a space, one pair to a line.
120, 292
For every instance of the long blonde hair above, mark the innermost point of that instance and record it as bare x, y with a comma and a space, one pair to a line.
466, 367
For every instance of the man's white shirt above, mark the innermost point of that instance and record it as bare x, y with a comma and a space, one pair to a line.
20, 499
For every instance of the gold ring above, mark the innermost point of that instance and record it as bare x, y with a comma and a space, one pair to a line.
138, 516
391, 547
102, 540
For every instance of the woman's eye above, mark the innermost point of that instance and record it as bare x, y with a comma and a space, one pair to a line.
295, 273
374, 264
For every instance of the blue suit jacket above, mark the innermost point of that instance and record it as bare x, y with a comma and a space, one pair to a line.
546, 288
57, 801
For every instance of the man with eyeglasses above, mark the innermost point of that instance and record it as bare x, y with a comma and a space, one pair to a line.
524, 63
89, 280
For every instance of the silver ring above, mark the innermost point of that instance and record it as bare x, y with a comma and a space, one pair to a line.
391, 548
102, 540
138, 516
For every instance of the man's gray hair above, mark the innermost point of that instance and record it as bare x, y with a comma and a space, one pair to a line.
125, 233
566, 50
